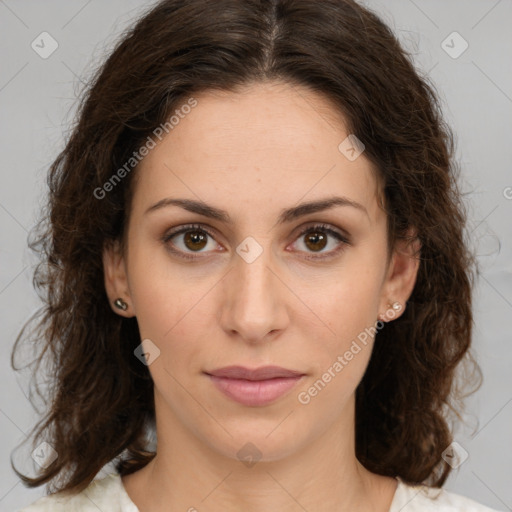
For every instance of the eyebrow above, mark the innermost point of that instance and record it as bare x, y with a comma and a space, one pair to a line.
287, 215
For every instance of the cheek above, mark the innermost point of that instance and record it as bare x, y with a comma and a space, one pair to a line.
347, 302
347, 306
173, 313
164, 295
177, 325
341, 355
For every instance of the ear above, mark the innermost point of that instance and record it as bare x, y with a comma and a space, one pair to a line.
116, 282
401, 276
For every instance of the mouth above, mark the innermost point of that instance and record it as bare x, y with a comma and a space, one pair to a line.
256, 387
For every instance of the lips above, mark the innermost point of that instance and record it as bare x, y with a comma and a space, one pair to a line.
256, 387
263, 373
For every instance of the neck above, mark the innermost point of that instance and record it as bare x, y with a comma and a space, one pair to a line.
188, 474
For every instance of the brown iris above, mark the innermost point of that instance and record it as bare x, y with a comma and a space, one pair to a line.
316, 240
195, 240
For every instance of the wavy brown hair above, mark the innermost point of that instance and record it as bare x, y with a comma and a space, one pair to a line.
100, 399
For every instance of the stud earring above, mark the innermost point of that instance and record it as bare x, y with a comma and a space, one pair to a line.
390, 313
121, 304
396, 306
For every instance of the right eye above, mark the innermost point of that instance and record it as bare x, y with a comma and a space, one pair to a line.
186, 240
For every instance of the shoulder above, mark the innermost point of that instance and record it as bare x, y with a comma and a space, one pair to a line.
103, 494
420, 498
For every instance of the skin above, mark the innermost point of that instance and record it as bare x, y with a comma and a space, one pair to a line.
254, 153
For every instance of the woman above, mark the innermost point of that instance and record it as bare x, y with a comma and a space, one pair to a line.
254, 249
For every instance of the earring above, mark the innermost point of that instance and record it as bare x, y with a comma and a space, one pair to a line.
390, 313
121, 304
396, 306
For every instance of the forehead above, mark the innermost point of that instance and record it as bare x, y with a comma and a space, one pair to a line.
268, 138
263, 116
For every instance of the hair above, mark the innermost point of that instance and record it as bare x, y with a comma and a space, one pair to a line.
99, 402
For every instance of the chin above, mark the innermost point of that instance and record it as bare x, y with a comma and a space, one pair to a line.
259, 441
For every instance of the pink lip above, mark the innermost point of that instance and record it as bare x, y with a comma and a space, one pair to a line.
254, 387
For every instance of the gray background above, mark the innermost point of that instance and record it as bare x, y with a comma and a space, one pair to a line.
37, 101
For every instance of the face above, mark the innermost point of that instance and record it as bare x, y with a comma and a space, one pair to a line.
250, 279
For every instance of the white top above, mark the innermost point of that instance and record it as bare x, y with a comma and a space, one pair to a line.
109, 495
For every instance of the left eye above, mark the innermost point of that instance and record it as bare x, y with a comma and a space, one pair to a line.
316, 238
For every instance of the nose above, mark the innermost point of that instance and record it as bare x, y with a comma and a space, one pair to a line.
255, 300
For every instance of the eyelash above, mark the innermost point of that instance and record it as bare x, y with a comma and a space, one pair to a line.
316, 227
